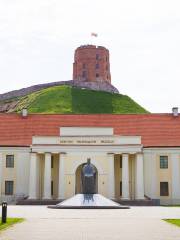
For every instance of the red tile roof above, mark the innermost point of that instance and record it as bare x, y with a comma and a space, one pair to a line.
156, 129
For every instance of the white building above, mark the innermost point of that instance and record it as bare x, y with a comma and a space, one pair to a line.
137, 156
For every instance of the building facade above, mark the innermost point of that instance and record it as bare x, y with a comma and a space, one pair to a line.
136, 156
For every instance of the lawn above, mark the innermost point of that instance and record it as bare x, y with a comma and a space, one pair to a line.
70, 100
10, 222
173, 221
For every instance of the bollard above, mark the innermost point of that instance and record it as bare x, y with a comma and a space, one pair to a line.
4, 212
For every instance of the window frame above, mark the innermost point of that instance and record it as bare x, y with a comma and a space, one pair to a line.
97, 66
164, 193
97, 75
52, 187
84, 74
163, 163
10, 164
120, 162
120, 188
8, 190
52, 162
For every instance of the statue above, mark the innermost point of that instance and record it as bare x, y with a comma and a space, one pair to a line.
89, 199
88, 176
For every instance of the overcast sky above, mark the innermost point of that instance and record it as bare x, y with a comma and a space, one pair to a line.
38, 39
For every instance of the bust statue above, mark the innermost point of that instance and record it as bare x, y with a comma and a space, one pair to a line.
88, 176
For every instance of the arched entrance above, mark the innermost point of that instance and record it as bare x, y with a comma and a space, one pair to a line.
78, 186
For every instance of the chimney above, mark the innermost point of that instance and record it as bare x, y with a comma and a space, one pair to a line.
175, 111
24, 112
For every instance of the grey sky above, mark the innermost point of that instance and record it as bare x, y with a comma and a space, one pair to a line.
38, 38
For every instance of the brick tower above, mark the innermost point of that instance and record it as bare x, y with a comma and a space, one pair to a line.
91, 64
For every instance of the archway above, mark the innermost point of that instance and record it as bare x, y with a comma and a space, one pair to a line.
78, 184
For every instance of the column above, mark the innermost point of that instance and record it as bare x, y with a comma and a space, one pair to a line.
1, 179
61, 176
111, 183
125, 176
33, 176
47, 176
139, 176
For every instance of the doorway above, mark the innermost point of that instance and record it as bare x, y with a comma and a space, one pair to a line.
78, 184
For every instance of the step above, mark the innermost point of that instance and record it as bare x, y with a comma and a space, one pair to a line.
38, 202
143, 202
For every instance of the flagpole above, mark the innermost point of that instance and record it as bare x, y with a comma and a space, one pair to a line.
93, 34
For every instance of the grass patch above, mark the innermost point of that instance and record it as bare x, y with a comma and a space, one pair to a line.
173, 221
170, 205
67, 100
10, 222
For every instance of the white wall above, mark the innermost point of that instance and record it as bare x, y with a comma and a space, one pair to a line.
153, 175
19, 174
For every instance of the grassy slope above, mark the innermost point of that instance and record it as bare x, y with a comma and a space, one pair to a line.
65, 99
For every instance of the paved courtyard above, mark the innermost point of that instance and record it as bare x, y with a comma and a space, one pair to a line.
137, 223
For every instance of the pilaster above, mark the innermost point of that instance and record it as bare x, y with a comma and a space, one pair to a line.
61, 187
125, 176
139, 176
33, 176
47, 176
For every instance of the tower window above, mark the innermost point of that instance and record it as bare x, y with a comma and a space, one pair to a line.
97, 75
106, 58
84, 74
97, 56
106, 67
97, 65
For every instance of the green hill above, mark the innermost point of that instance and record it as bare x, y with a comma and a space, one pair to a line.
66, 99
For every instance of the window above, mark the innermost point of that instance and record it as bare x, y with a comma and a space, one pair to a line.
84, 74
120, 188
97, 56
107, 68
84, 65
52, 188
120, 162
52, 161
163, 161
164, 189
9, 187
97, 65
9, 161
97, 75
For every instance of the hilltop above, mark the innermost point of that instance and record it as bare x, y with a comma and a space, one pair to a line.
68, 99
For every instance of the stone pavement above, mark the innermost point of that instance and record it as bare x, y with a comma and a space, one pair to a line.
137, 223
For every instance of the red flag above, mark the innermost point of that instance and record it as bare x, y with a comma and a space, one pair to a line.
94, 34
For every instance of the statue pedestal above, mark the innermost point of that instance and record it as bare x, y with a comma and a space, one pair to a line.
88, 201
